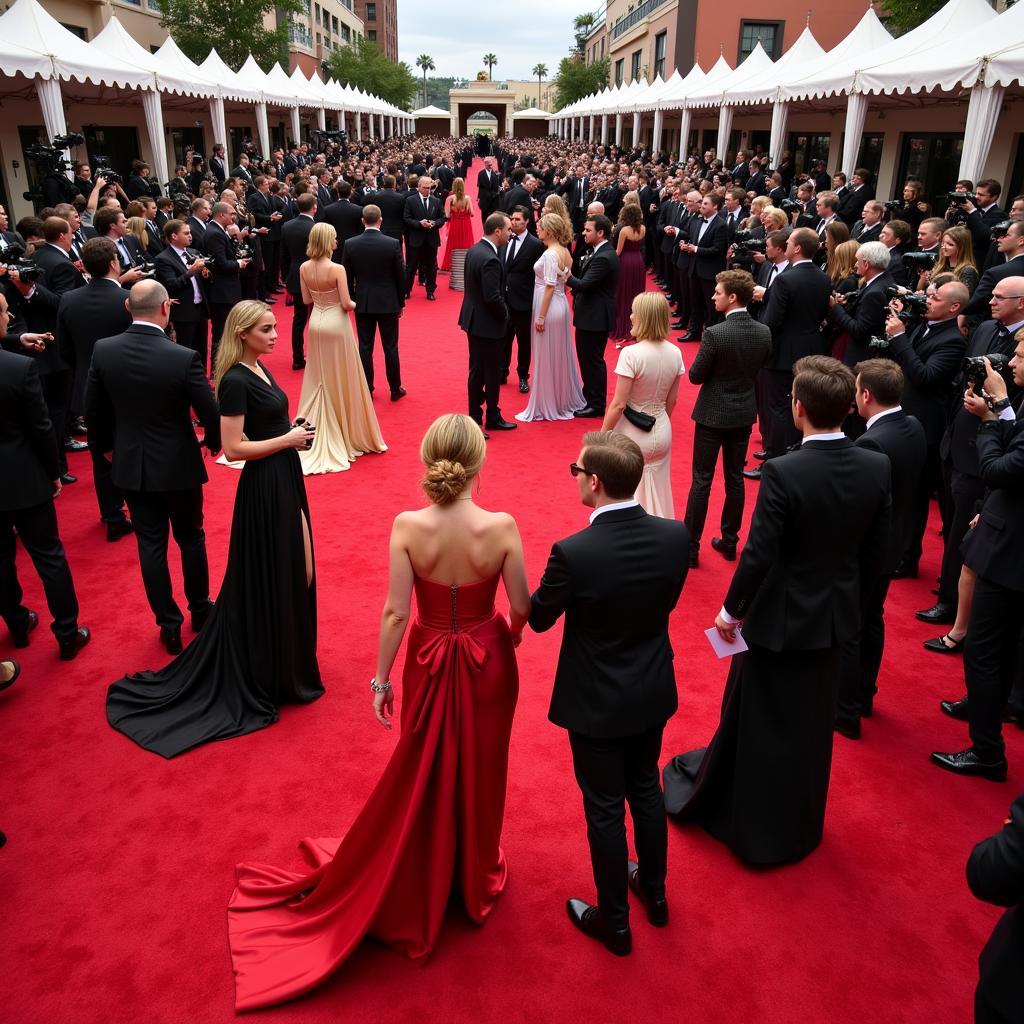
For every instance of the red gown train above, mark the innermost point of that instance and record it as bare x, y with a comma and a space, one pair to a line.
433, 819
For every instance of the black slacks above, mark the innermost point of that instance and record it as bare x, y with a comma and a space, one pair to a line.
590, 346
930, 480
367, 325
218, 318
520, 322
300, 314
108, 496
484, 377
779, 432
193, 334
707, 441
862, 654
424, 258
153, 512
271, 263
37, 528
965, 493
56, 387
702, 306
609, 773
990, 658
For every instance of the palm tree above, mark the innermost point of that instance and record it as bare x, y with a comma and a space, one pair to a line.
426, 62
582, 26
490, 60
540, 70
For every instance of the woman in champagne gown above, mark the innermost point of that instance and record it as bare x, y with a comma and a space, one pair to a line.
647, 379
557, 392
258, 647
334, 398
458, 208
433, 823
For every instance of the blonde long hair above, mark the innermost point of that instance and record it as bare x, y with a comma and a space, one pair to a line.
964, 252
556, 204
243, 317
137, 229
459, 201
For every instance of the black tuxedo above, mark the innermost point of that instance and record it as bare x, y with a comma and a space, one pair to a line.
593, 316
294, 242
198, 233
224, 286
704, 265
518, 196
392, 210
324, 197
864, 234
484, 318
867, 320
376, 280
347, 219
519, 280
487, 185
189, 316
139, 400
575, 190
980, 224
617, 582
851, 205
821, 527
29, 465
219, 167
978, 306
422, 243
61, 273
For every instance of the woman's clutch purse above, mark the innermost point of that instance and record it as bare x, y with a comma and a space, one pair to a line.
641, 420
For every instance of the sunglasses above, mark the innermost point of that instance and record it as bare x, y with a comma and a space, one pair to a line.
576, 470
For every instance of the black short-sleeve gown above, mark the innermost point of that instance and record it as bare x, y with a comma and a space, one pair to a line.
257, 651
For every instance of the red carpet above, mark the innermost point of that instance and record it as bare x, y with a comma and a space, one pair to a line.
118, 866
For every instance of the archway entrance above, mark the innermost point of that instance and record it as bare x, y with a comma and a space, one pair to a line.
481, 97
483, 119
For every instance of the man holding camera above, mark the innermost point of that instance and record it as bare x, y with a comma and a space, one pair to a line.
225, 287
870, 307
179, 271
994, 549
1010, 245
983, 216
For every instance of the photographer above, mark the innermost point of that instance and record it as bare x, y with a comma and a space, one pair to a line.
994, 550
139, 183
930, 355
914, 209
1011, 246
870, 306
869, 227
984, 216
224, 288
111, 223
179, 271
894, 236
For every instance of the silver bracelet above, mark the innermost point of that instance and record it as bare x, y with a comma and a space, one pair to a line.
380, 687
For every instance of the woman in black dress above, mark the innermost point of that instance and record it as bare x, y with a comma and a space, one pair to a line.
258, 648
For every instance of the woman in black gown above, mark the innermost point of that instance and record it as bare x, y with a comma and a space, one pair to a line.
258, 648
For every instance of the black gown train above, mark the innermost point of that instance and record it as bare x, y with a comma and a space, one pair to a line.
258, 648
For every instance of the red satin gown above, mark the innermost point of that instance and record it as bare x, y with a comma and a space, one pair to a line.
433, 820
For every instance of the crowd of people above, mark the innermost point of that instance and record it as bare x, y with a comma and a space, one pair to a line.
878, 347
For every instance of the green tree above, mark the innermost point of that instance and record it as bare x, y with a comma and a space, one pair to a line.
426, 62
903, 15
364, 66
576, 79
233, 30
540, 70
490, 60
582, 26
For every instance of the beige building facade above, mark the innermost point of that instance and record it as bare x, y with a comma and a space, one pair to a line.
526, 94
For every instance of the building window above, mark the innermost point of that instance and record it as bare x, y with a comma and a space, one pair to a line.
767, 33
371, 12
76, 30
316, 13
334, 24
346, 33
319, 41
619, 65
634, 65
371, 34
660, 48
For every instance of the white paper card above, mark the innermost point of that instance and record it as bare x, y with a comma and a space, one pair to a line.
723, 648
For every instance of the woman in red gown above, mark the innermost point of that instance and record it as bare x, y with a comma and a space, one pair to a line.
458, 208
433, 822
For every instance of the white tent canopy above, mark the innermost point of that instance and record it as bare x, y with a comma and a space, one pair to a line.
531, 113
764, 87
676, 92
716, 91
431, 111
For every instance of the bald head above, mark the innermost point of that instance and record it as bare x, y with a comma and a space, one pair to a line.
1007, 301
595, 210
146, 302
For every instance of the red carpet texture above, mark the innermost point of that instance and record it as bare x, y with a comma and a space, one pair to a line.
119, 865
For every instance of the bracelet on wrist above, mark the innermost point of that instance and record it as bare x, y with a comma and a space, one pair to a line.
379, 687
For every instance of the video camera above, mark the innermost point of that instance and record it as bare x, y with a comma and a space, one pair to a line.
999, 230
920, 261
192, 258
26, 269
50, 163
915, 304
892, 206
961, 198
974, 372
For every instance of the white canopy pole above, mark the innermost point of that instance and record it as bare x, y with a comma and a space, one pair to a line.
50, 99
296, 129
724, 130
685, 123
604, 128
392, 119
618, 129
217, 122
321, 119
263, 128
155, 127
358, 114
659, 124
780, 119
371, 127
856, 115
636, 128
982, 115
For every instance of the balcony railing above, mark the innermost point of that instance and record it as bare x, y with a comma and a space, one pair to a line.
634, 17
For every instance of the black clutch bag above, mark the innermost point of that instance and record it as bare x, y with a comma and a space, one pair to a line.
641, 420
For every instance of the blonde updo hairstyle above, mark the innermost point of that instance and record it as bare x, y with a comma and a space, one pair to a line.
453, 452
557, 228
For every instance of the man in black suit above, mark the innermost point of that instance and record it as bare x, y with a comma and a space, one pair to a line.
139, 400
994, 550
55, 257
392, 209
981, 219
901, 439
199, 216
242, 172
617, 582
518, 257
484, 318
995, 874
259, 203
376, 280
665, 241
346, 217
593, 313
707, 245
29, 481
224, 287
180, 272
1011, 249
219, 164
730, 356
575, 189
852, 202
517, 194
111, 223
929, 355
797, 303
821, 525
869, 227
423, 218
488, 184
84, 316
869, 314
294, 241
325, 194
444, 176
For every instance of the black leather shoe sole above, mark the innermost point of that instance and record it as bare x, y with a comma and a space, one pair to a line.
20, 636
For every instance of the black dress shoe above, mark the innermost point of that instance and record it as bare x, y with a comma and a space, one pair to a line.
588, 412
589, 921
939, 645
299, 365
967, 762
694, 557
938, 614
657, 910
71, 445
398, 393
752, 474
501, 425
907, 571
524, 386
689, 336
760, 456
20, 635
68, 478
431, 298
199, 616
677, 326
955, 708
171, 639
848, 727
70, 646
727, 551
115, 531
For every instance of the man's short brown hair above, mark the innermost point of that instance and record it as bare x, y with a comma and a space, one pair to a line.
616, 460
883, 378
105, 219
738, 283
172, 227
97, 255
54, 227
808, 241
494, 222
825, 388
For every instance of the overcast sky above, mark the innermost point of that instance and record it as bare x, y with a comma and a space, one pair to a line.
457, 34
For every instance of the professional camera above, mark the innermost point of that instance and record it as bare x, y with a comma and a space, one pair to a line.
743, 235
194, 257
998, 230
878, 343
750, 245
915, 304
974, 372
27, 269
788, 206
961, 198
892, 206
51, 168
920, 261
147, 268
102, 169
242, 252
851, 300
